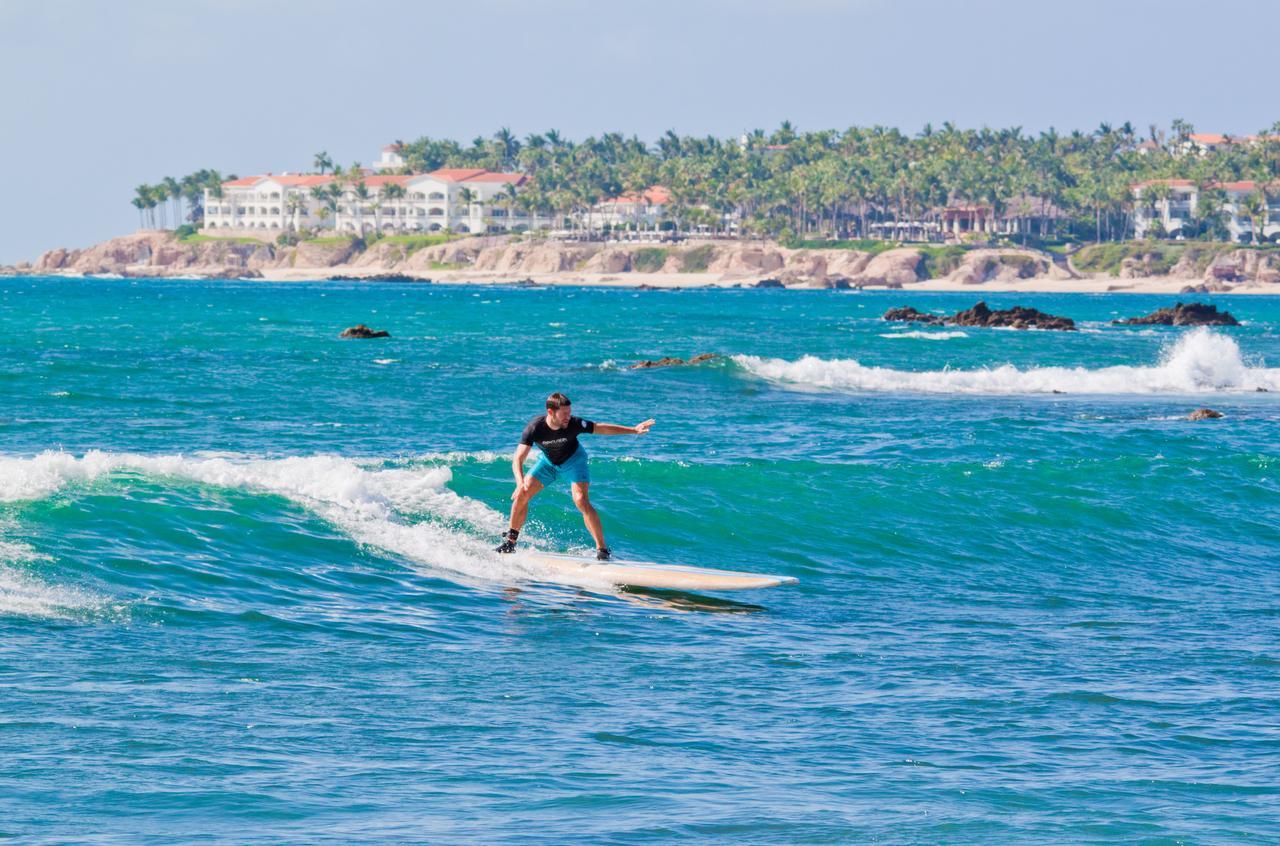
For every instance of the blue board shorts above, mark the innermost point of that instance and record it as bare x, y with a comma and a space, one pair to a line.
574, 468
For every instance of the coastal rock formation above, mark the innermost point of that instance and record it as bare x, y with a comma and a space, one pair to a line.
668, 361
1184, 314
887, 268
747, 259
1018, 317
1204, 414
362, 331
980, 266
770, 283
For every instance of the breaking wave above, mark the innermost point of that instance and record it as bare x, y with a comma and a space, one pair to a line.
1199, 362
407, 511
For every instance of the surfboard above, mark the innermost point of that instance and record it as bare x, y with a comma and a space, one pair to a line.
647, 574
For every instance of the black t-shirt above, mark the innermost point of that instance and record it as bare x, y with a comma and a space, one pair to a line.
558, 444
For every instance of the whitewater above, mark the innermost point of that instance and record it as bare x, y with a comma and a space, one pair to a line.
1200, 361
248, 586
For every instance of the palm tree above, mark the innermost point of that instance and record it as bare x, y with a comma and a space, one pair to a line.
392, 193
1254, 207
173, 191
361, 194
139, 205
322, 162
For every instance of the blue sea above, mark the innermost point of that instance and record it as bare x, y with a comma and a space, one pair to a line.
248, 593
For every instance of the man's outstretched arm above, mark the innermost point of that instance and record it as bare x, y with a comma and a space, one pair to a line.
612, 429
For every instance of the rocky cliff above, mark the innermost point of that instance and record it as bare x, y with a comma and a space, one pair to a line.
150, 253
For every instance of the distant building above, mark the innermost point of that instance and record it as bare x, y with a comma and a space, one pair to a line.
390, 160
1165, 205
643, 210
460, 200
1204, 143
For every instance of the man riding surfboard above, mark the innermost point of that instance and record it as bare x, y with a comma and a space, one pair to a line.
556, 434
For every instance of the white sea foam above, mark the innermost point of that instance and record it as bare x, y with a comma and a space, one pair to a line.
925, 336
23, 594
1199, 362
407, 511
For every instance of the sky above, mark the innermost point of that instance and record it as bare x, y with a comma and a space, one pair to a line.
97, 97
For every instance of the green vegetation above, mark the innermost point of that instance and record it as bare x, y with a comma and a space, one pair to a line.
861, 245
696, 259
1157, 257
852, 186
936, 262
649, 259
206, 239
170, 195
448, 265
331, 240
835, 188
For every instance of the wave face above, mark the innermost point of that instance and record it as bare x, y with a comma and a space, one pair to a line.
1199, 362
405, 511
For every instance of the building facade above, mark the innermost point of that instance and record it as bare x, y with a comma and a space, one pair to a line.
461, 200
1163, 208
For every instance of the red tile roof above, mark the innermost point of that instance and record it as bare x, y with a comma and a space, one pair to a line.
377, 181
488, 176
243, 182
456, 174
302, 180
1207, 138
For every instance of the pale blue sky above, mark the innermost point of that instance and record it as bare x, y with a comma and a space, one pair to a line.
97, 97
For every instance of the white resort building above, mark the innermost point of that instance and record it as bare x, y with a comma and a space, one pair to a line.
457, 199
1164, 205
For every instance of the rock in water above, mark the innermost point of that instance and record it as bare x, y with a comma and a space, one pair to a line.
770, 283
910, 315
1018, 317
362, 331
1184, 314
668, 361
1204, 414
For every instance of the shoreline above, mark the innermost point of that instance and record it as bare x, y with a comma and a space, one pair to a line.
504, 260
1153, 285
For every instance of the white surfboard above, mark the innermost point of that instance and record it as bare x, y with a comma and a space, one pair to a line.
649, 575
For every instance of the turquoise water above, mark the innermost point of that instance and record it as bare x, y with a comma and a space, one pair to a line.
246, 593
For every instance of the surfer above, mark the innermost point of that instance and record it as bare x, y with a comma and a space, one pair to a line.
556, 434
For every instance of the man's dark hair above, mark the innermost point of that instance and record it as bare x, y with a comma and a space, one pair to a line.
557, 401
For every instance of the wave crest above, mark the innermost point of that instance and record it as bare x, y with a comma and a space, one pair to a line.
1199, 362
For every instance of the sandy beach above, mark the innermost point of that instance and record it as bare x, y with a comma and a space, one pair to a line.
1094, 285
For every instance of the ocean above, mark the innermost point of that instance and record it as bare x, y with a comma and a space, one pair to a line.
247, 592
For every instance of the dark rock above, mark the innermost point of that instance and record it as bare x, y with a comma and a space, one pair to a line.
362, 331
770, 283
1204, 414
525, 283
1194, 289
378, 277
668, 361
1188, 314
1018, 317
908, 314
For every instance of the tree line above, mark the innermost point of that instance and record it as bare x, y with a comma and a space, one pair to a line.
862, 182
838, 184
179, 199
